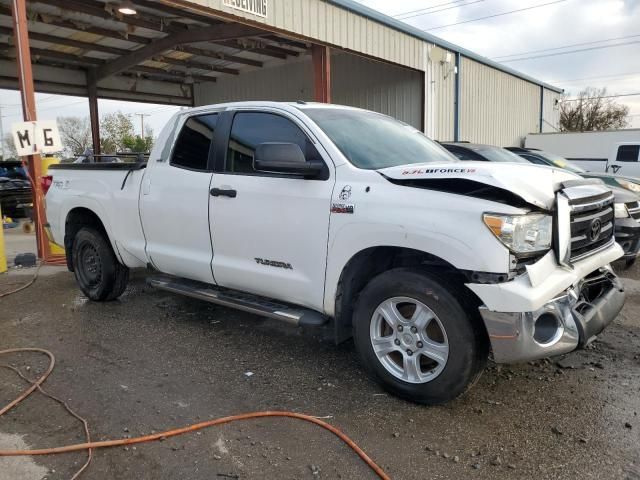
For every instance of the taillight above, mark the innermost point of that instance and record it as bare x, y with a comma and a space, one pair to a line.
45, 183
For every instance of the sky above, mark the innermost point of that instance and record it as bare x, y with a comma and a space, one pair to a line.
541, 30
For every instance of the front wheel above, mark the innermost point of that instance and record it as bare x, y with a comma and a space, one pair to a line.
415, 337
99, 274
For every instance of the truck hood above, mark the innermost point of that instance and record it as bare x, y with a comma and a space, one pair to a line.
506, 182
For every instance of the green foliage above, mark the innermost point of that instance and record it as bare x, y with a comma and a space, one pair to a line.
137, 144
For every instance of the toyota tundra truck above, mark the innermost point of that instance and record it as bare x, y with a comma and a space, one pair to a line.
327, 215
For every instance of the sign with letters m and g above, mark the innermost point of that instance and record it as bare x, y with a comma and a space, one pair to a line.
31, 138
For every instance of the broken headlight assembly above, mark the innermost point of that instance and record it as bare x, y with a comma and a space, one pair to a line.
524, 235
620, 210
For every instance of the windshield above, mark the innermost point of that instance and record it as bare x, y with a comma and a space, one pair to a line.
497, 154
372, 141
560, 162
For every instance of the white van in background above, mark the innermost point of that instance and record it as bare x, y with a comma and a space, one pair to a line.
612, 151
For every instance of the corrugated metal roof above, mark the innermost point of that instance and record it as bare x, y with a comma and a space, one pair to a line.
391, 22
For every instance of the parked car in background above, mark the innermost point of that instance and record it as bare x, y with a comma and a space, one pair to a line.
315, 213
15, 190
542, 157
626, 207
609, 151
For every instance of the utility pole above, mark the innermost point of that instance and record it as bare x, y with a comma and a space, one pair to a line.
142, 115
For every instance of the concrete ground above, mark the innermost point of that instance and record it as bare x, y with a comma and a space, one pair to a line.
152, 361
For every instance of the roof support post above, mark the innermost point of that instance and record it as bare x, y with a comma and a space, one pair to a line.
92, 90
27, 94
541, 108
456, 101
321, 59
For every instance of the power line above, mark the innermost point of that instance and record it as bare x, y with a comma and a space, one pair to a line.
497, 15
604, 96
566, 46
426, 8
618, 75
440, 10
570, 51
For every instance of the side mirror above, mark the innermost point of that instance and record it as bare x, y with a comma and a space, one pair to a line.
286, 158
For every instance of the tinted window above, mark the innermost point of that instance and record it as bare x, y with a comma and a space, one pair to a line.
464, 154
534, 159
497, 154
628, 153
250, 129
371, 140
193, 144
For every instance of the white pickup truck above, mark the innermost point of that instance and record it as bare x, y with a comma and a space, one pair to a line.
317, 214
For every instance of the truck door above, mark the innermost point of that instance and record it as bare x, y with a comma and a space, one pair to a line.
625, 160
174, 203
270, 230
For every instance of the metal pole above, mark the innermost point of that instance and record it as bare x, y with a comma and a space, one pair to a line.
2, 135
92, 90
321, 59
25, 81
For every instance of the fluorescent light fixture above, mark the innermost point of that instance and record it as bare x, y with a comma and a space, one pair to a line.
126, 8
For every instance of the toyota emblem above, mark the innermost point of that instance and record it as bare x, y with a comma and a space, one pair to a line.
595, 229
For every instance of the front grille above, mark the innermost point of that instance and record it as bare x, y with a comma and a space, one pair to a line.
634, 209
592, 226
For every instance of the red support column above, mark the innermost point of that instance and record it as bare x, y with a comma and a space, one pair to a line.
25, 79
321, 58
92, 90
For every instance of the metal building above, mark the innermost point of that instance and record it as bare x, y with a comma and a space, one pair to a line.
194, 52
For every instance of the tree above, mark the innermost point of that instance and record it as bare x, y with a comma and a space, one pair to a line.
591, 111
9, 148
137, 144
115, 130
75, 134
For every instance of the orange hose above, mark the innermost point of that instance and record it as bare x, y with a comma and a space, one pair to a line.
170, 433
26, 285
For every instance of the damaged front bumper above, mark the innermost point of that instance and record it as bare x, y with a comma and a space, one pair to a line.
587, 298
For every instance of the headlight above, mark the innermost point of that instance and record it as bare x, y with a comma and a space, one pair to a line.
521, 234
634, 187
620, 210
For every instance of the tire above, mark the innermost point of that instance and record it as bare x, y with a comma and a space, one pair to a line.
99, 274
449, 347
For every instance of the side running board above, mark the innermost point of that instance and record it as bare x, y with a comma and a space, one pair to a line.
297, 316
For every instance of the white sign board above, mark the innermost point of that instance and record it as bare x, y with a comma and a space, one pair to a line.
256, 7
36, 137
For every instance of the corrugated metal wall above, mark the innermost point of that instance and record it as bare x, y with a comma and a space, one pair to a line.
440, 101
289, 82
356, 81
336, 26
495, 107
384, 88
550, 112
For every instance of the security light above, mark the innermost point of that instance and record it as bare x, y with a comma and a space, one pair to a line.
127, 8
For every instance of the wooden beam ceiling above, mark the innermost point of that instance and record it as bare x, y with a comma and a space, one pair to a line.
124, 35
217, 32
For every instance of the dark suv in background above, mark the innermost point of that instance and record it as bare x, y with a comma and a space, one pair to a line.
15, 190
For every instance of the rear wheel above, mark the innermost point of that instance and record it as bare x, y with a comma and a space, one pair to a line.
98, 273
415, 337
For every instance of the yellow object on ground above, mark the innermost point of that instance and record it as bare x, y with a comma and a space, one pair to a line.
3, 256
46, 163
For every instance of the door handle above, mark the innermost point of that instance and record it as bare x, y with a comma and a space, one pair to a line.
223, 192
